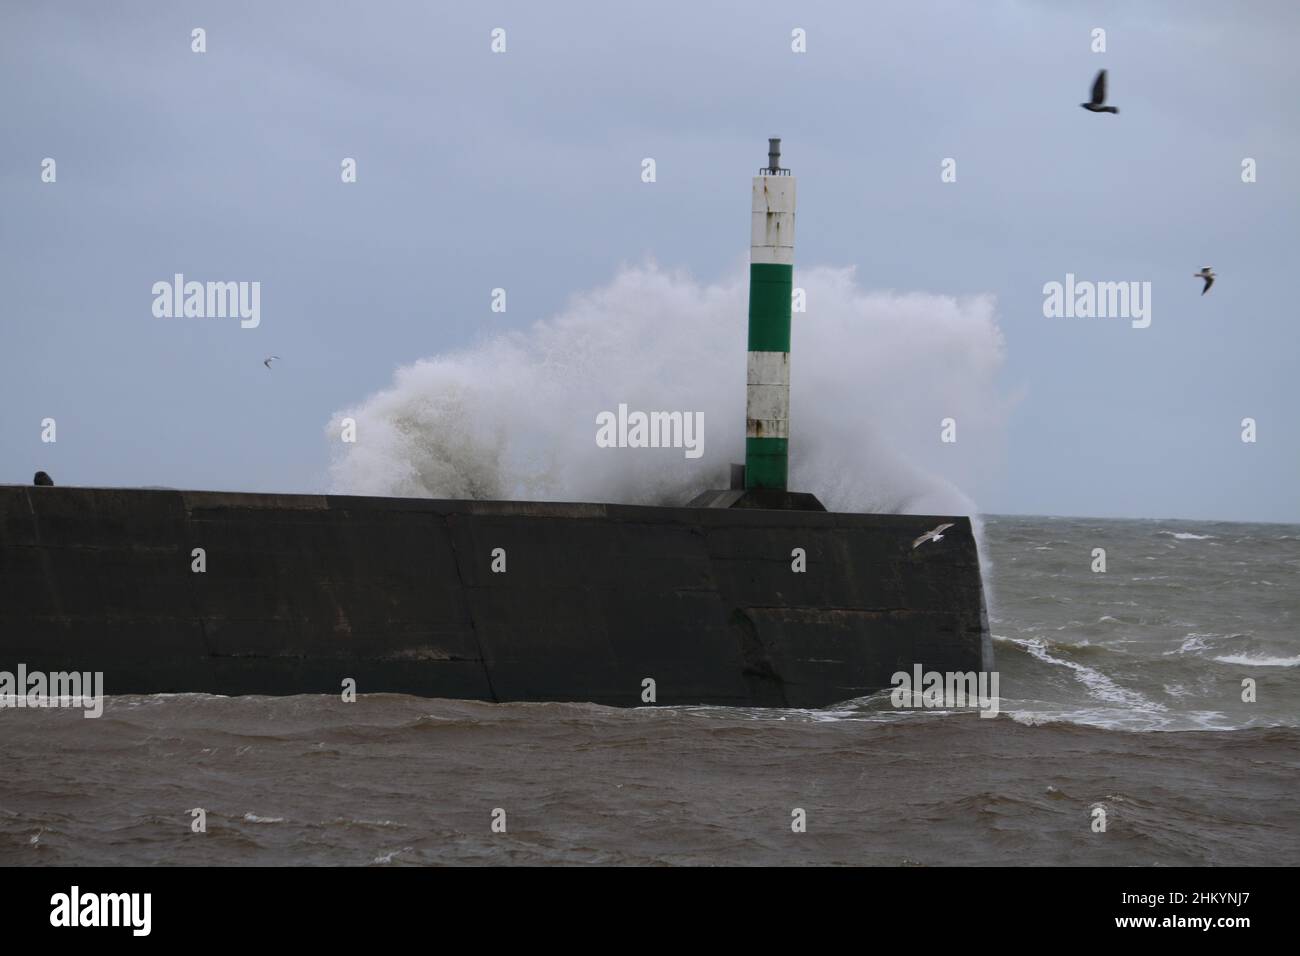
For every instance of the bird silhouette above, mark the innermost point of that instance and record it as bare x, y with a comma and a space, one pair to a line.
1099, 96
269, 359
1208, 276
935, 535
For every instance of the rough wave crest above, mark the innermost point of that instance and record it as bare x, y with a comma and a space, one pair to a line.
514, 417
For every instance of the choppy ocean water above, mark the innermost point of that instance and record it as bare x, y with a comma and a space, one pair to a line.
1121, 690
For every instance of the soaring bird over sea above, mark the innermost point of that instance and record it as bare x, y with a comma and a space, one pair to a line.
1208, 276
269, 359
1099, 96
935, 535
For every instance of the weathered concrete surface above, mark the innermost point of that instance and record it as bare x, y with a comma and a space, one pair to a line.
772, 499
301, 592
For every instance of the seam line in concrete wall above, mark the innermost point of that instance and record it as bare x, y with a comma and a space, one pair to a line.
469, 606
186, 515
46, 572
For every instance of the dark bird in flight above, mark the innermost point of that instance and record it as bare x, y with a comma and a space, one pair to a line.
1208, 276
269, 359
935, 535
42, 479
1099, 96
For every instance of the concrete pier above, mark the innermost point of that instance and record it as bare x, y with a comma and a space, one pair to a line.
301, 592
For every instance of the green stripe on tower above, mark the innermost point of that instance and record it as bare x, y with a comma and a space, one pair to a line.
770, 288
766, 462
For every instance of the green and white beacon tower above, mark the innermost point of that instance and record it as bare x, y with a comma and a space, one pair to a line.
771, 281
762, 481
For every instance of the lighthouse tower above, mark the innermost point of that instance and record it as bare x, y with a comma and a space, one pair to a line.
771, 281
762, 481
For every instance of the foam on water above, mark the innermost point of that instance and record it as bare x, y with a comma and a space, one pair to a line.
1098, 684
1258, 660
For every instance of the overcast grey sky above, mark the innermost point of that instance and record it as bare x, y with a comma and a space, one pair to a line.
523, 170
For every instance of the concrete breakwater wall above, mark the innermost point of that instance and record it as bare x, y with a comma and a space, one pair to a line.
586, 601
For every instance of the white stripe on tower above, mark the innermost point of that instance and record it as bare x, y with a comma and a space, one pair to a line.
767, 399
771, 230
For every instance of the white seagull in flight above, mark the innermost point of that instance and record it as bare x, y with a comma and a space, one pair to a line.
935, 535
269, 359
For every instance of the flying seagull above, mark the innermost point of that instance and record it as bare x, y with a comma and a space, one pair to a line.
1208, 276
269, 359
935, 535
1099, 96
